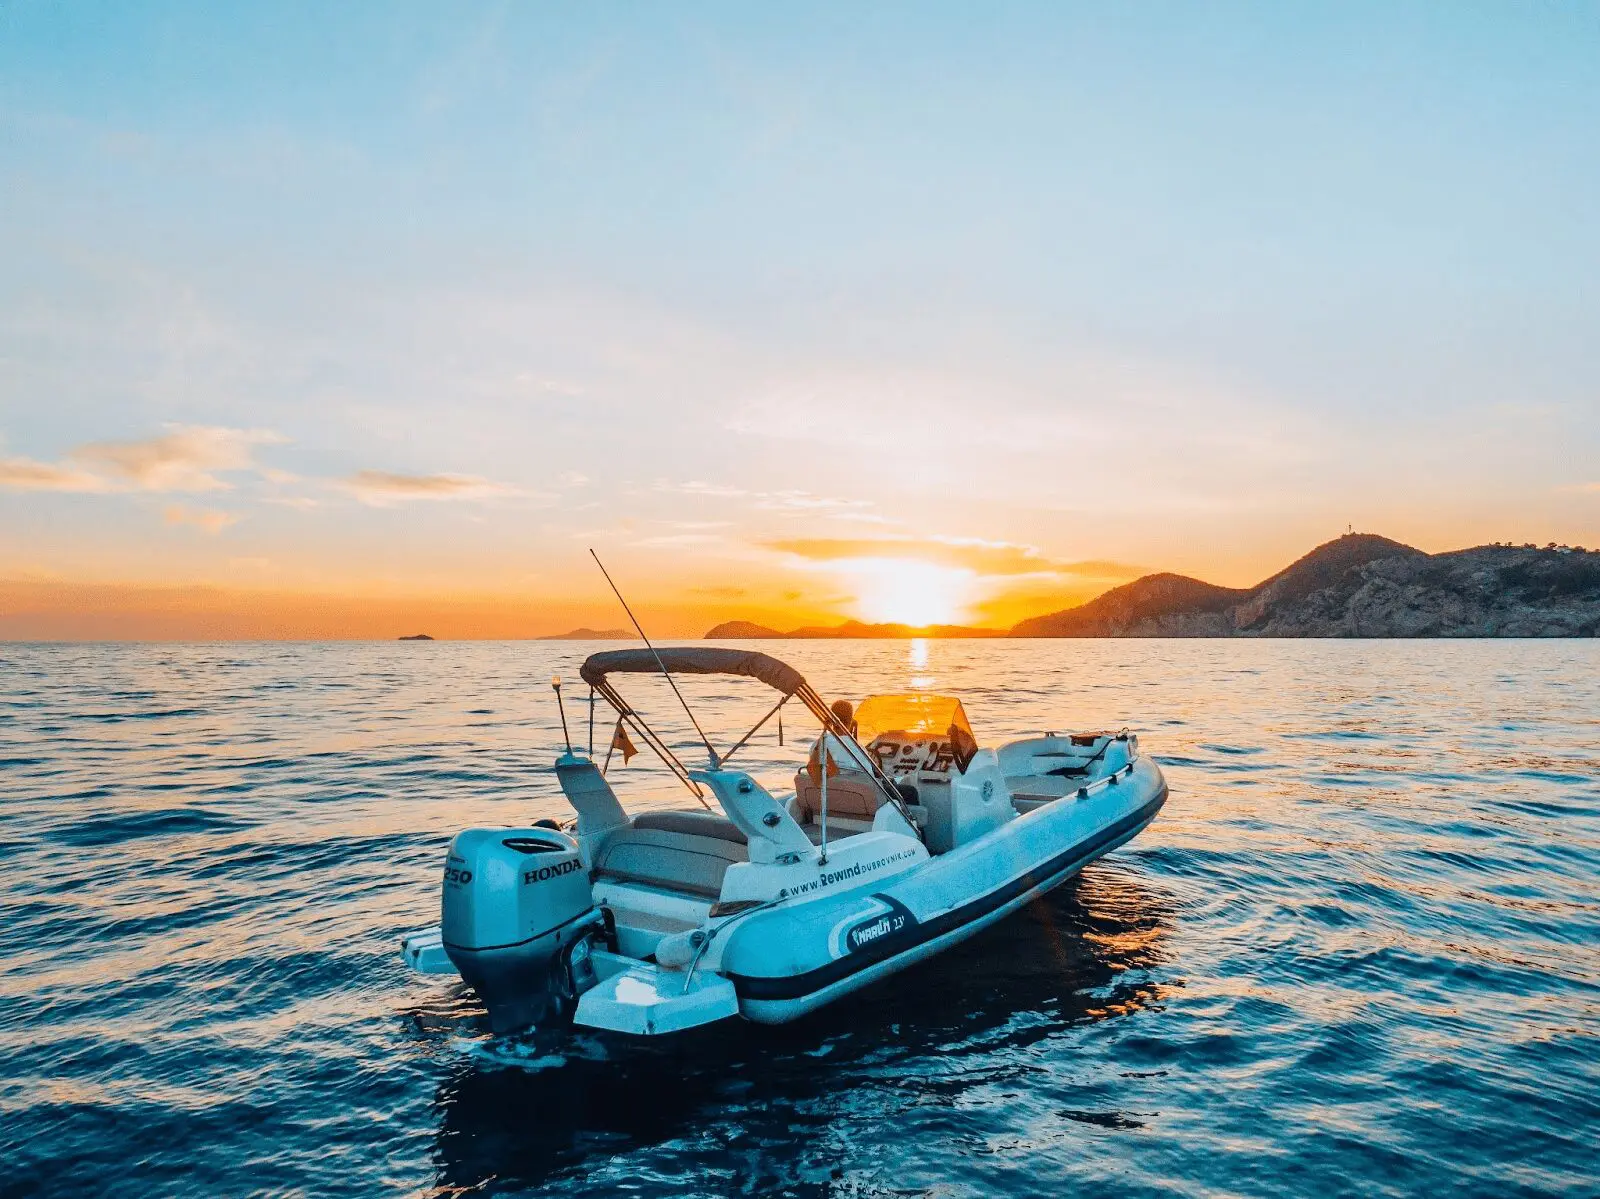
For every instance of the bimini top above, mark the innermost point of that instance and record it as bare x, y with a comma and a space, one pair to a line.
693, 659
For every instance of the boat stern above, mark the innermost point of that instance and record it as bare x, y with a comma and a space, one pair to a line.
645, 999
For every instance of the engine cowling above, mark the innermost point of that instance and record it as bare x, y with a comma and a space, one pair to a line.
516, 915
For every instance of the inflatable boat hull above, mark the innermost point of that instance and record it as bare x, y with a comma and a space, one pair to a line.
790, 961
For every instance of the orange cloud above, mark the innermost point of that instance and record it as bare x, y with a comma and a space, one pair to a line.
381, 488
207, 520
186, 459
990, 558
24, 474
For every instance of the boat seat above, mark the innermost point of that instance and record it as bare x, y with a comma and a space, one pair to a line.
853, 801
684, 863
851, 794
838, 827
1041, 786
695, 823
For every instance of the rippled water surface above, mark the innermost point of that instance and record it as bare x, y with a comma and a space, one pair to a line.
1358, 953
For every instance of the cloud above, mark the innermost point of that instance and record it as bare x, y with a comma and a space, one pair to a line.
677, 540
805, 501
186, 459
696, 487
858, 517
573, 478
381, 488
207, 520
775, 501
990, 558
24, 474
1204, 443
729, 593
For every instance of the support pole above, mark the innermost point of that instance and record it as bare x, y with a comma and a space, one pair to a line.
778, 708
565, 736
822, 858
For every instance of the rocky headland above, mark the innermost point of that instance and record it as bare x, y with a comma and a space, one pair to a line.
1359, 585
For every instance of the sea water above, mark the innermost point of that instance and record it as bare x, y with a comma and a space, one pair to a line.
1358, 953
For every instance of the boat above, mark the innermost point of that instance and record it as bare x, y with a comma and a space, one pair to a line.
900, 837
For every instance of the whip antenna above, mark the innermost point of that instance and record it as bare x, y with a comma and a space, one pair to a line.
667, 674
565, 736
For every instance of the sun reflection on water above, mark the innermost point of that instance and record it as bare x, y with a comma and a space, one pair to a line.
917, 659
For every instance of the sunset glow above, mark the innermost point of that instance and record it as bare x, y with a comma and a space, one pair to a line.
971, 323
910, 592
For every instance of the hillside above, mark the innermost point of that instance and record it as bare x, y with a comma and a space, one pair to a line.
1359, 585
734, 630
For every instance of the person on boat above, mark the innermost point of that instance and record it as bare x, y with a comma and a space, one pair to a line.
845, 757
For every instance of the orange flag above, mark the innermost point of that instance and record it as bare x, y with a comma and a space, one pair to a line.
814, 764
621, 744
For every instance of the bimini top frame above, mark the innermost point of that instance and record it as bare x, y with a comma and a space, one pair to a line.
705, 659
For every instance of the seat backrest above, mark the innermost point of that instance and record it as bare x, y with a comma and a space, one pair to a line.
851, 793
673, 861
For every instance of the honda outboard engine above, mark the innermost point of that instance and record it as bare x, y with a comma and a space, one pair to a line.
516, 920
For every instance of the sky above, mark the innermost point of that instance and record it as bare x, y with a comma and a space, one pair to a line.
367, 319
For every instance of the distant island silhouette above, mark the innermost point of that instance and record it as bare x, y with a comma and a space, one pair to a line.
591, 635
417, 637
1358, 585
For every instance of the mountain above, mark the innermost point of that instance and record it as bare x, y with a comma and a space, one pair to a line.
730, 630
1359, 585
735, 630
590, 635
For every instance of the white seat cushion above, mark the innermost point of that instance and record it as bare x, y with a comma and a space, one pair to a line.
673, 861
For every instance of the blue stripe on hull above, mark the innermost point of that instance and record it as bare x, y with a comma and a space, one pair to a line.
1041, 878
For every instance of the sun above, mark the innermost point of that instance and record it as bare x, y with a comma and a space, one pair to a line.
905, 591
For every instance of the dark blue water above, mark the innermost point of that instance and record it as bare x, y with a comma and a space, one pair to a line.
1358, 953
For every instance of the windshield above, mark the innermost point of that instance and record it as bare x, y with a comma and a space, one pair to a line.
909, 717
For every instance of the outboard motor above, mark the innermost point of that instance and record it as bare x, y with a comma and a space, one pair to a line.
516, 920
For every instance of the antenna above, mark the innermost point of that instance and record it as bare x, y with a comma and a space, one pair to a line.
555, 683
704, 740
